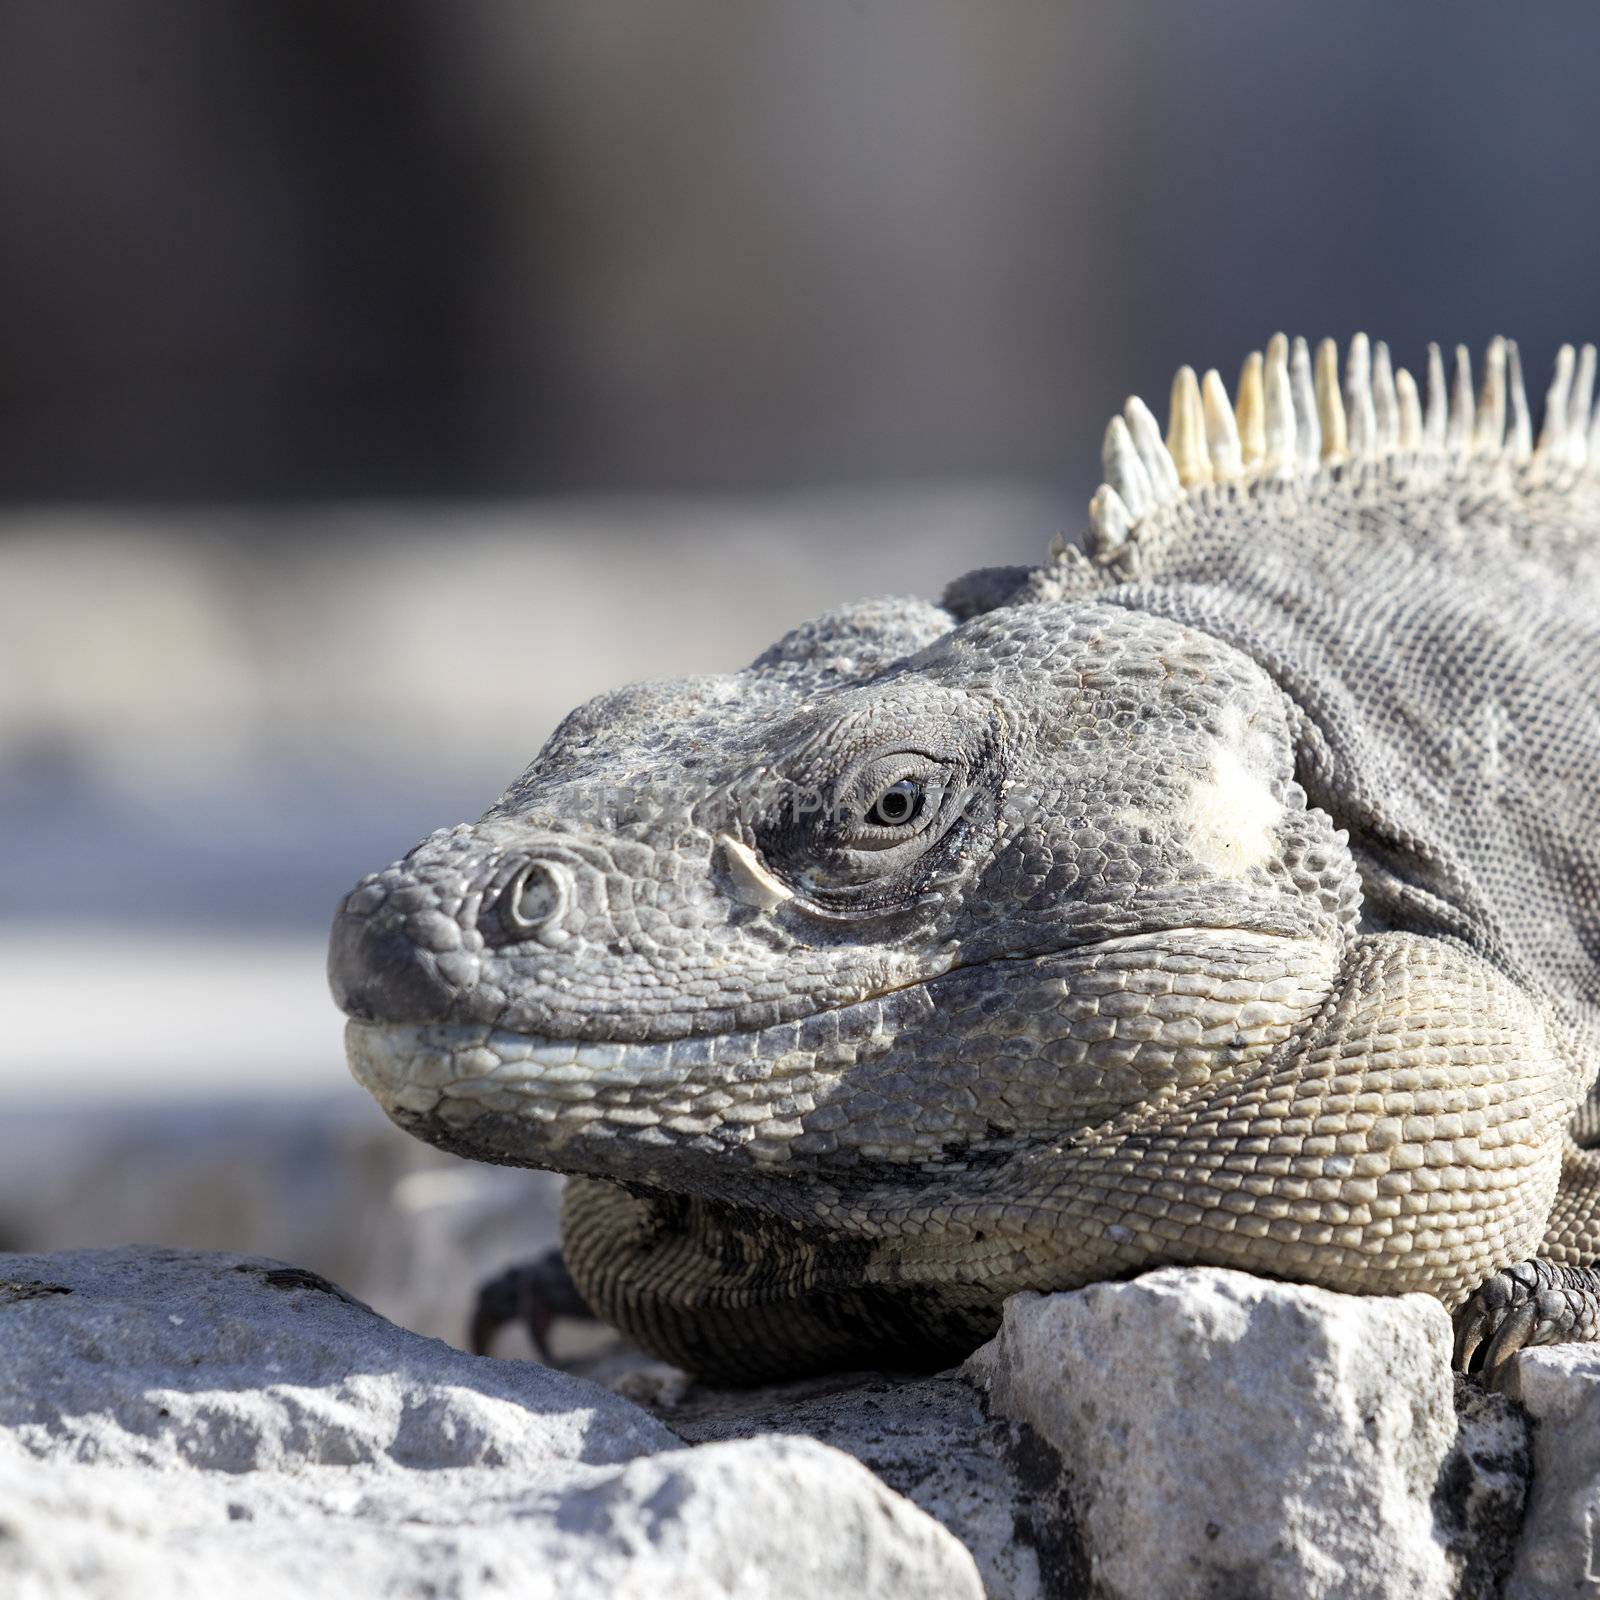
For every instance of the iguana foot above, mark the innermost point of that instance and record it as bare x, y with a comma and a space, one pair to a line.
534, 1294
1532, 1303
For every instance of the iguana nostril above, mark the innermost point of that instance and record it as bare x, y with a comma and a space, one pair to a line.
535, 901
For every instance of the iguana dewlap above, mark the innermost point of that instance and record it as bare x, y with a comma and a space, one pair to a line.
1228, 894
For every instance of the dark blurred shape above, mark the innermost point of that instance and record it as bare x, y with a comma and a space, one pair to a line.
315, 248
533, 1293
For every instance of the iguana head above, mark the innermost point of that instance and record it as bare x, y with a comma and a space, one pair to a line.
902, 893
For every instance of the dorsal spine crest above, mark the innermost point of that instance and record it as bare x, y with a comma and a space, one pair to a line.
1291, 417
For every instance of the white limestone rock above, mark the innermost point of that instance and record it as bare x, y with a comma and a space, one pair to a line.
768, 1519
1559, 1552
929, 1439
164, 1358
176, 1424
1228, 1435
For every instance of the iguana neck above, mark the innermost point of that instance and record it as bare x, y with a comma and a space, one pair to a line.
1435, 711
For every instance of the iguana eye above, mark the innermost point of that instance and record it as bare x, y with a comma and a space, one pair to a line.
874, 819
900, 804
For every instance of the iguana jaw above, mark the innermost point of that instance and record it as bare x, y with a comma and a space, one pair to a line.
927, 1078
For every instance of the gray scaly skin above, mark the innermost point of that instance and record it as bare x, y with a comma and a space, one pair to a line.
1228, 894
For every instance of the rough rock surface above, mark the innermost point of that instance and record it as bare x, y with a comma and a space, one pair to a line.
179, 1424
997, 1487
1226, 1435
1559, 1553
173, 1424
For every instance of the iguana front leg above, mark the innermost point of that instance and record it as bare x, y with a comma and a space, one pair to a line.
1551, 1299
534, 1293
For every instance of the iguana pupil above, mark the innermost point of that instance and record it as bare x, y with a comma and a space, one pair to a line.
899, 804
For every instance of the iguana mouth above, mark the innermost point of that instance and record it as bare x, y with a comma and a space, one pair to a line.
1129, 1012
418, 1067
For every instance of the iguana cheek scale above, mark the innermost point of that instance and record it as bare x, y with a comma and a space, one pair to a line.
1225, 893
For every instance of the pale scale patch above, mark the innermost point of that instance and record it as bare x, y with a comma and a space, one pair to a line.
1231, 818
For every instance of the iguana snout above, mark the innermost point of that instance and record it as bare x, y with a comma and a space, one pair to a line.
409, 944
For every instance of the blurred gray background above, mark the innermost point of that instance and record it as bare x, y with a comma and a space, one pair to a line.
377, 381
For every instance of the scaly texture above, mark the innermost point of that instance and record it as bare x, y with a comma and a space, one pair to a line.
1226, 895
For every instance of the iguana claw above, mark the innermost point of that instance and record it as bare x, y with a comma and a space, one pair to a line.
1479, 1319
1532, 1303
534, 1293
1519, 1330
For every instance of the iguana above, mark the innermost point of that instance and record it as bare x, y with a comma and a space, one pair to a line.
1225, 892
